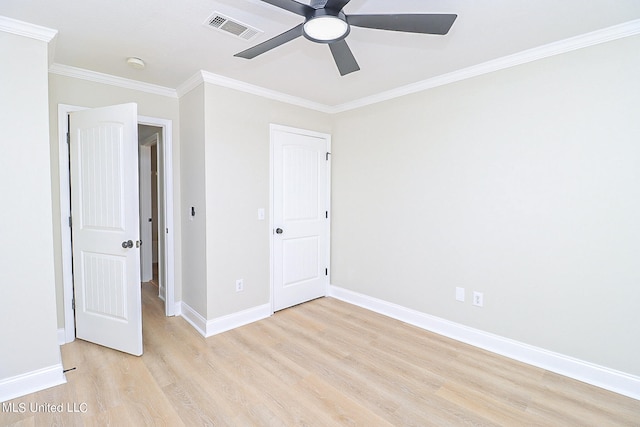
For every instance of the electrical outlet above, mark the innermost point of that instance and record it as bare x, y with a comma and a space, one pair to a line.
460, 294
239, 285
478, 299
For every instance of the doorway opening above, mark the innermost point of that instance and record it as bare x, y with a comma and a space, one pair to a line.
151, 198
164, 183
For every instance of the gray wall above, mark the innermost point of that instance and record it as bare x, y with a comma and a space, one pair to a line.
523, 184
27, 279
237, 182
225, 154
194, 278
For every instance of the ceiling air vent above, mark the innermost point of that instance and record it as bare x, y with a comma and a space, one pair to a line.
223, 23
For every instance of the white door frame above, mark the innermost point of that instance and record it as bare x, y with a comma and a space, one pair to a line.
146, 250
327, 137
65, 212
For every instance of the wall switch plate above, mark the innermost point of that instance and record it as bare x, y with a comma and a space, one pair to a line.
239, 285
478, 299
460, 294
260, 214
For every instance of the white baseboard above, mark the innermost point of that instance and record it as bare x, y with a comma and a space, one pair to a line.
235, 320
31, 382
193, 317
62, 336
609, 379
208, 328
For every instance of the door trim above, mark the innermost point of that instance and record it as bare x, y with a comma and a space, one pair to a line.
146, 232
65, 212
327, 137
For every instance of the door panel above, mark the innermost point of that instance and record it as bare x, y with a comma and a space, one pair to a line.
300, 180
105, 285
301, 257
104, 206
300, 205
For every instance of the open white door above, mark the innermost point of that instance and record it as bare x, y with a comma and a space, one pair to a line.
300, 215
105, 232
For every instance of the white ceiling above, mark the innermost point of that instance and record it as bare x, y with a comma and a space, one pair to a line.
171, 37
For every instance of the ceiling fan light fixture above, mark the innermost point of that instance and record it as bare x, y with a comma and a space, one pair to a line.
326, 29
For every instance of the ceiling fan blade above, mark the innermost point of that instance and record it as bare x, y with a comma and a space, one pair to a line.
345, 60
279, 40
336, 4
411, 23
292, 6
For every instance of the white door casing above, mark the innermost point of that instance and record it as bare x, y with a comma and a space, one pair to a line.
146, 255
104, 206
166, 249
300, 215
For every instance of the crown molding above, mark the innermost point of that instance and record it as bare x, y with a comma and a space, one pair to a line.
190, 84
218, 80
94, 76
266, 93
26, 29
615, 32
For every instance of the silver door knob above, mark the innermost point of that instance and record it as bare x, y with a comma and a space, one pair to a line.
127, 244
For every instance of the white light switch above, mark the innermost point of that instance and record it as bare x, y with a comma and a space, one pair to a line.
261, 214
460, 294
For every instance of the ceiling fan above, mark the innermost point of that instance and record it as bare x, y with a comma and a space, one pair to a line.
325, 22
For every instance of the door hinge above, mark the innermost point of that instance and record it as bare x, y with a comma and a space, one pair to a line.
70, 222
73, 303
326, 271
68, 138
326, 157
326, 214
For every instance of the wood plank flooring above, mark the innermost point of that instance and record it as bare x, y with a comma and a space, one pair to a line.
323, 363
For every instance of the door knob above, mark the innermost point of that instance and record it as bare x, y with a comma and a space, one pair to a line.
278, 230
127, 244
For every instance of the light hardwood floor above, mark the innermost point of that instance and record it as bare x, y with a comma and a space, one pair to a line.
323, 363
